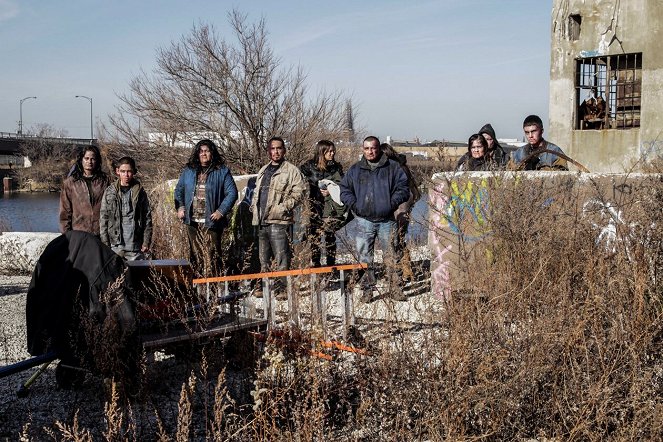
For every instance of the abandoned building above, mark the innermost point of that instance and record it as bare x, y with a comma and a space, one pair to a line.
606, 82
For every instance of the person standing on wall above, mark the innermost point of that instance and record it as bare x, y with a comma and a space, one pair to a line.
326, 216
280, 188
204, 196
527, 156
125, 216
373, 189
82, 190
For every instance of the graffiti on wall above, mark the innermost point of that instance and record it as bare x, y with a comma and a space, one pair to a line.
459, 214
466, 212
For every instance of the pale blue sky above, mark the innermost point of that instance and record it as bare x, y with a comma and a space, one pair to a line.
432, 69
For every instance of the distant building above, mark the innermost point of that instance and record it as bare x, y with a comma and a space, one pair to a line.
606, 82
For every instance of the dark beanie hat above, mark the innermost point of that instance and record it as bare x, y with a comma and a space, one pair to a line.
488, 129
533, 119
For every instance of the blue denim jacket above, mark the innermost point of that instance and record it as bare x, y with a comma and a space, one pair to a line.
220, 194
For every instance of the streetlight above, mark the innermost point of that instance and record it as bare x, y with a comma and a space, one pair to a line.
90, 100
20, 118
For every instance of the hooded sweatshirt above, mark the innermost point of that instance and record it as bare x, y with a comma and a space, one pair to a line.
497, 153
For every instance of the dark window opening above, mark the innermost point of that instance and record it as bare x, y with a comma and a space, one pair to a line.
573, 30
608, 92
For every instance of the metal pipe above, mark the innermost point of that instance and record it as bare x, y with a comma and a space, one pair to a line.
20, 116
91, 126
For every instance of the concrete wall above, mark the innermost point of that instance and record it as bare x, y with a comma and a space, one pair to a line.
465, 207
608, 28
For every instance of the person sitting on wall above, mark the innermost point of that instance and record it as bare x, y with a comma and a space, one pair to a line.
82, 190
537, 154
476, 159
125, 216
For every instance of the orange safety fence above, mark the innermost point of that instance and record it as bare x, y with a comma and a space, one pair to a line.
280, 273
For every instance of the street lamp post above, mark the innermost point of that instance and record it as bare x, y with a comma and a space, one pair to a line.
91, 126
20, 116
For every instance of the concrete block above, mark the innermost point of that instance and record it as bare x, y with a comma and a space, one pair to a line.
19, 251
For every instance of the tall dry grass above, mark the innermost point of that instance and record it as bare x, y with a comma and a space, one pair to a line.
551, 331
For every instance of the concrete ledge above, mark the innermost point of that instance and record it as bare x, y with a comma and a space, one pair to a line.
21, 250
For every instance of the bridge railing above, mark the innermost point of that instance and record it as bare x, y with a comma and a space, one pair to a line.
15, 136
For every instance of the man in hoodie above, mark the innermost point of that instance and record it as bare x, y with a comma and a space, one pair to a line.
373, 189
125, 219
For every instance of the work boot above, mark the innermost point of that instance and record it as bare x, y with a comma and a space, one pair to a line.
366, 295
396, 293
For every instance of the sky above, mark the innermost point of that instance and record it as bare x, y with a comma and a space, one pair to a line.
428, 69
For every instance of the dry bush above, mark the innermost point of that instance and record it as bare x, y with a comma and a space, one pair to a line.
552, 329
553, 332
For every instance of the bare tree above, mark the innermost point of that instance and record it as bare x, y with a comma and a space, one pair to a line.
237, 93
51, 155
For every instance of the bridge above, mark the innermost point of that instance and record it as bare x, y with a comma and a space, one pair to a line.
11, 152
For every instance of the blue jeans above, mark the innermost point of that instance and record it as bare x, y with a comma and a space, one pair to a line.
368, 232
274, 243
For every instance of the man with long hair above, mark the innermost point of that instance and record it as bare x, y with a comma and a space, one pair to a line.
80, 199
204, 196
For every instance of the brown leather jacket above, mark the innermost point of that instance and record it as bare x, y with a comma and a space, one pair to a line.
78, 209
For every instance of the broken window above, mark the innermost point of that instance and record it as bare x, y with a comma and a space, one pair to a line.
608, 91
573, 29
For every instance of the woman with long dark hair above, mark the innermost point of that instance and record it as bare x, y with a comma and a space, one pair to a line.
204, 196
326, 215
476, 158
80, 198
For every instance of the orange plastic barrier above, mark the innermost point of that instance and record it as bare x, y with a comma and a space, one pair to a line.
296, 272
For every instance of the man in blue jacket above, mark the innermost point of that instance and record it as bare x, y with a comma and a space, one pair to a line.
204, 197
373, 189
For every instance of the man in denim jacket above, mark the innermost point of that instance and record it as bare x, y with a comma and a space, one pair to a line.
204, 196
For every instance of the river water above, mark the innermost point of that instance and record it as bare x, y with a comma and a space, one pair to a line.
38, 212
29, 212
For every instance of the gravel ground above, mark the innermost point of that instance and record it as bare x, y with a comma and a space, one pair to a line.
47, 403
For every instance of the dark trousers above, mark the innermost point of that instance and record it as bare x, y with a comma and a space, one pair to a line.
322, 232
205, 249
274, 244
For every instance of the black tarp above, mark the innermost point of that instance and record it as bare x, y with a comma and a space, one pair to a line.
71, 274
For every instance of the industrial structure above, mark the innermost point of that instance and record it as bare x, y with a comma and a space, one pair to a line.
606, 82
